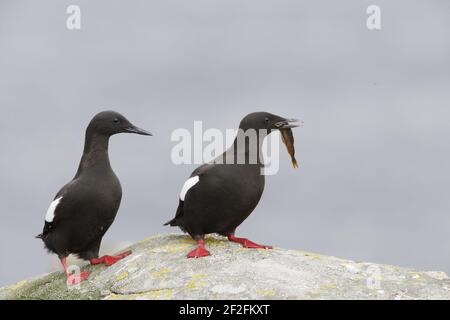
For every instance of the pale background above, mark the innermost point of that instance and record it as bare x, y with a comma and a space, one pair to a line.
373, 182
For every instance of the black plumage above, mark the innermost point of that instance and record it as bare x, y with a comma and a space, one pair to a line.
221, 195
85, 208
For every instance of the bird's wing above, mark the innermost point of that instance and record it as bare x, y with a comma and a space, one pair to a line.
53, 211
195, 178
188, 184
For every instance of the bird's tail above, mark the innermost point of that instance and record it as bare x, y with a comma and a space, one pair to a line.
178, 214
172, 223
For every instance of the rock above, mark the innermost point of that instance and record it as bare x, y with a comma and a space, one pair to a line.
158, 269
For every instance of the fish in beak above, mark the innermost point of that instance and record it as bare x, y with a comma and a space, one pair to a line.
287, 137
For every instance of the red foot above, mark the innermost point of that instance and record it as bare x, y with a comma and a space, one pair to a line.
200, 251
247, 243
76, 278
109, 260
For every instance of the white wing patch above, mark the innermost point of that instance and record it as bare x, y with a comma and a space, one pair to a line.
187, 185
51, 210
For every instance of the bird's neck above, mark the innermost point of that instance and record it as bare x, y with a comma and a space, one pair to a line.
95, 152
246, 148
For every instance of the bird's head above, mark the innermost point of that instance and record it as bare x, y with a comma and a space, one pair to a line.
111, 122
266, 121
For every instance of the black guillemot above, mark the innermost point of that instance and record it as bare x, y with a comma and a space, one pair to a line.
220, 195
84, 209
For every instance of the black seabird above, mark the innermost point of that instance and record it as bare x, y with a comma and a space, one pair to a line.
220, 195
84, 209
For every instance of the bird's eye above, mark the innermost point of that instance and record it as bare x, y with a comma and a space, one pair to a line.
267, 119
116, 120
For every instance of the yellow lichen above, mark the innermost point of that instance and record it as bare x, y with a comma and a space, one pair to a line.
196, 281
160, 273
416, 276
214, 242
18, 285
122, 276
177, 247
327, 286
266, 292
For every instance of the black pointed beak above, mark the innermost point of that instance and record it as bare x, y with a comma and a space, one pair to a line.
136, 130
287, 123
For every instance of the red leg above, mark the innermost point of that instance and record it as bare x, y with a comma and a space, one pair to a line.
247, 243
200, 251
109, 260
73, 278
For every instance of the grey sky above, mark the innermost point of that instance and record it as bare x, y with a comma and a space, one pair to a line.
374, 151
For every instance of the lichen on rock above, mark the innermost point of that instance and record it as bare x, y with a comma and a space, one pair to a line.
158, 269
